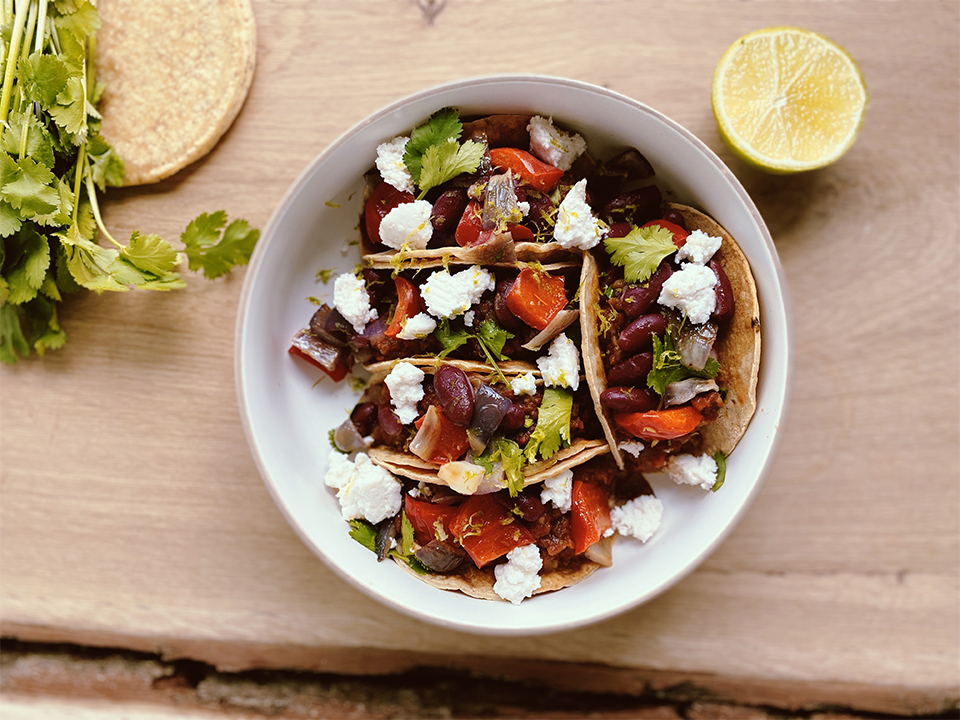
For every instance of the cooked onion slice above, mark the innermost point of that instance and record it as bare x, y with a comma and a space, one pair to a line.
428, 438
684, 391
556, 326
348, 438
601, 552
695, 344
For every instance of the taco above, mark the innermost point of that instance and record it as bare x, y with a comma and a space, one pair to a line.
486, 191
672, 364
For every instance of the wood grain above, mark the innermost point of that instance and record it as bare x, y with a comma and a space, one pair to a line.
132, 513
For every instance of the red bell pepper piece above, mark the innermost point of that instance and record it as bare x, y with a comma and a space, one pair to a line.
530, 170
487, 530
430, 521
665, 424
338, 369
589, 514
536, 297
409, 303
470, 225
381, 201
679, 234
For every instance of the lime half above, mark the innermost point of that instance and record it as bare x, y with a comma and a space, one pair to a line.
788, 100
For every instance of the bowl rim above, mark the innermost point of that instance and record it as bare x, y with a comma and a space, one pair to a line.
786, 341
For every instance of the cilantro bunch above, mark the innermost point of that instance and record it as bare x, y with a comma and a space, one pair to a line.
53, 164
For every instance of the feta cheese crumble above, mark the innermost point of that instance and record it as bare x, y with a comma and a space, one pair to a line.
692, 470
557, 490
553, 145
407, 226
524, 384
447, 296
406, 390
699, 248
690, 290
391, 166
631, 446
561, 366
352, 301
365, 490
417, 327
576, 227
638, 518
518, 578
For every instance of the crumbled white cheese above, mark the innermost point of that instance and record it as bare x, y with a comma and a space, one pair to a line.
631, 446
417, 327
405, 383
561, 367
468, 318
391, 166
557, 490
524, 208
692, 470
352, 301
407, 226
365, 490
524, 384
690, 290
447, 296
699, 248
576, 227
639, 517
518, 578
553, 145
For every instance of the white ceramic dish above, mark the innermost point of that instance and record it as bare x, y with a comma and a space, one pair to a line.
287, 417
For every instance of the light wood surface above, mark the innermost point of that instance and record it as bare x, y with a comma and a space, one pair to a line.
132, 513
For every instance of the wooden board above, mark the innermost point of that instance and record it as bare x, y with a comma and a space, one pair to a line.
132, 513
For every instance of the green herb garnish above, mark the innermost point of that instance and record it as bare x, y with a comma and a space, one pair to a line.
433, 155
641, 251
553, 425
721, 461
668, 368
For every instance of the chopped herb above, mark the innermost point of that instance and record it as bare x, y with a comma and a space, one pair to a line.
553, 425
641, 251
331, 204
314, 301
721, 461
668, 368
364, 533
324, 275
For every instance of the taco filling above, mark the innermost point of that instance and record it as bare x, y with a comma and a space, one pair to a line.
536, 329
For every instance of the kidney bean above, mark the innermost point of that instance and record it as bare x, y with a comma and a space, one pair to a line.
638, 335
676, 218
513, 418
528, 505
619, 230
637, 299
631, 372
388, 421
364, 416
637, 206
504, 314
455, 393
448, 209
628, 399
724, 308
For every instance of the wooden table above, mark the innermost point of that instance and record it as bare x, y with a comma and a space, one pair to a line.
133, 515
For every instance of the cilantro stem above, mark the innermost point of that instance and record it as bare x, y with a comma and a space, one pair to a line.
12, 55
490, 360
41, 27
81, 158
92, 196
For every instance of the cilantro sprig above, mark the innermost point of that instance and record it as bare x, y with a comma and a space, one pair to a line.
432, 154
668, 367
491, 338
54, 164
641, 251
553, 425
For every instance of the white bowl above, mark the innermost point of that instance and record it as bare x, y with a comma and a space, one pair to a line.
287, 417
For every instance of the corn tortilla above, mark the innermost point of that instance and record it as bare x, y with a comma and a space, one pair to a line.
176, 74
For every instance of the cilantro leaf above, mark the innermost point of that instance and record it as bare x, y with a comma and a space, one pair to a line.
641, 251
149, 253
29, 187
494, 337
450, 339
12, 340
553, 425
668, 368
26, 267
105, 164
510, 456
206, 249
39, 145
721, 461
364, 533
445, 161
442, 126
43, 77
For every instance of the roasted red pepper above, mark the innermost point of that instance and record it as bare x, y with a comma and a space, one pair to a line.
470, 226
589, 514
450, 443
338, 369
487, 530
536, 297
531, 171
381, 201
665, 424
679, 234
430, 521
409, 303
